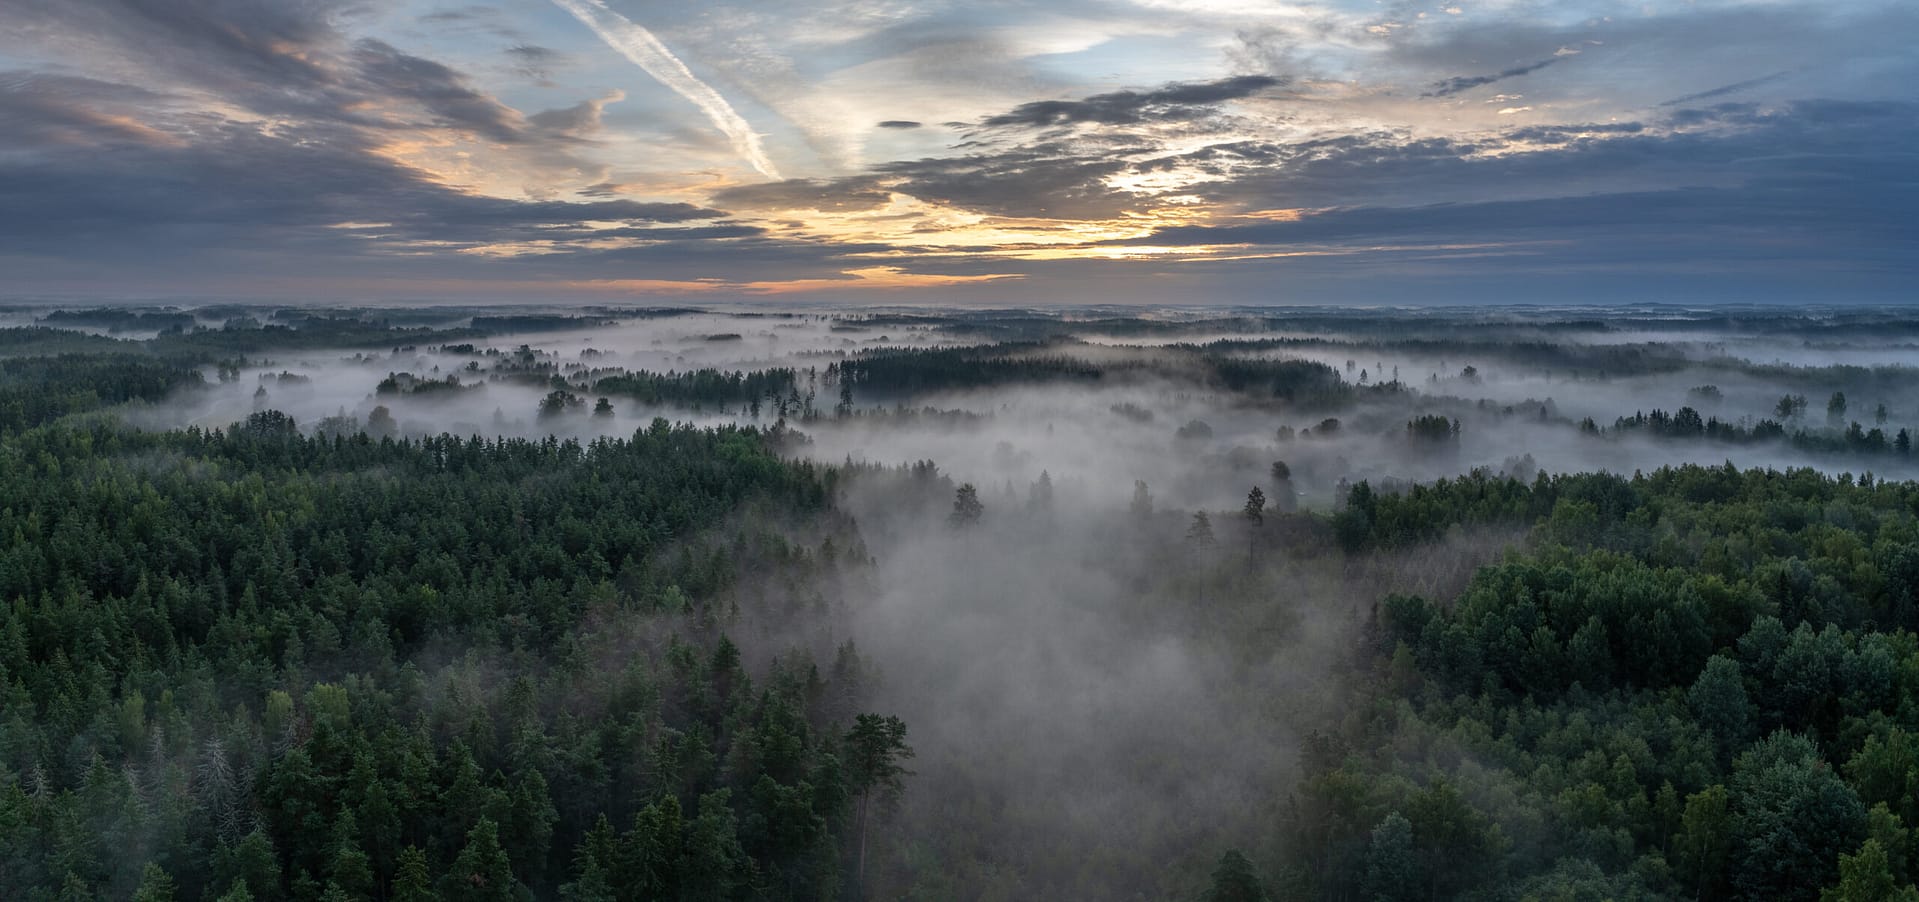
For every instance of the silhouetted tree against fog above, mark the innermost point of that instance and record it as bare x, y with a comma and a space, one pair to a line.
1200, 534
875, 746
1040, 498
380, 423
1142, 501
1836, 409
1255, 512
966, 506
1285, 497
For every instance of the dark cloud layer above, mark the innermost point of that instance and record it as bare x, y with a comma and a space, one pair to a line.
1825, 184
1172, 102
1725, 90
1460, 83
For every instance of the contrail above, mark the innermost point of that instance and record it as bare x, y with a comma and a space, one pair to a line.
639, 45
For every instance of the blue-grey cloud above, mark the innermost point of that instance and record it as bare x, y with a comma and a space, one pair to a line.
1460, 83
1171, 102
534, 61
1818, 183
1724, 90
858, 193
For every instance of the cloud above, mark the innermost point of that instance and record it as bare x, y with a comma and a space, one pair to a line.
1814, 184
443, 92
85, 185
849, 194
644, 50
579, 121
1052, 180
534, 61
1724, 90
1177, 101
1460, 83
148, 134
38, 109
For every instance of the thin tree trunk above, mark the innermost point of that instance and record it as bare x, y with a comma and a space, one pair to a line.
860, 874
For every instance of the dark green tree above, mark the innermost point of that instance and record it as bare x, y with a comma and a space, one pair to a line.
1719, 703
875, 748
1392, 869
1866, 876
413, 882
1792, 817
1234, 881
482, 872
155, 885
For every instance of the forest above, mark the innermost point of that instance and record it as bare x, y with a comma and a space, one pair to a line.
525, 603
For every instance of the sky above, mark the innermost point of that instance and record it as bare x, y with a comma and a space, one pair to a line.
961, 151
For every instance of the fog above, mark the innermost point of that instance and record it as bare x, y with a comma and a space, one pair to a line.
1095, 712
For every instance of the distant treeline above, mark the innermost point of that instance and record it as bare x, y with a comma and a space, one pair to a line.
704, 387
535, 322
38, 390
894, 373
1687, 423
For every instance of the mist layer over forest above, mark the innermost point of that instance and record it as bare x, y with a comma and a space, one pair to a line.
1475, 603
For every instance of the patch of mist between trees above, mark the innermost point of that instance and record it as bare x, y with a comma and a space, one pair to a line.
323, 384
1741, 396
1081, 433
1075, 434
1090, 439
1100, 707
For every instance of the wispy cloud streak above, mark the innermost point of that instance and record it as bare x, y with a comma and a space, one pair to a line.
644, 50
1733, 88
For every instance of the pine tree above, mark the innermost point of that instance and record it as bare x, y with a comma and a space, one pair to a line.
349, 868
875, 746
1255, 513
155, 885
1200, 534
413, 882
966, 506
482, 872
1142, 501
1040, 498
1234, 881
237, 893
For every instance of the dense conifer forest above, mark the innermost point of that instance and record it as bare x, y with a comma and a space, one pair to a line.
317, 606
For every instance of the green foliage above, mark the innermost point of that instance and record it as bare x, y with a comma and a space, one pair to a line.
1791, 818
1392, 870
1234, 881
39, 390
1867, 877
1584, 720
351, 668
